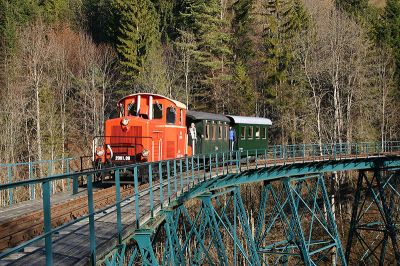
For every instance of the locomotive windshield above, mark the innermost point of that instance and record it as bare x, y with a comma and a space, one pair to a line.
157, 110
132, 109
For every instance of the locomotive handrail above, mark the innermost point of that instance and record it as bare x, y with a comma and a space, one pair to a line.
182, 174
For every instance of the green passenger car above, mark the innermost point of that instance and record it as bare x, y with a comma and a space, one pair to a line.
251, 132
212, 132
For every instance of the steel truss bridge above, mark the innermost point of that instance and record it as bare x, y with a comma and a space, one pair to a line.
193, 211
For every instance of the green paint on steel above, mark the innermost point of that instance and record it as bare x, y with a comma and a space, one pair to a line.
47, 223
92, 232
142, 237
290, 164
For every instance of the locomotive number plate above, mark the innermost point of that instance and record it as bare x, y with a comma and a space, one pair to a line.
122, 158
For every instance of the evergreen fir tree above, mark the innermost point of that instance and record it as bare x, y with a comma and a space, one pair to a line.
138, 34
213, 54
243, 96
55, 10
102, 20
14, 14
165, 9
242, 28
392, 30
286, 22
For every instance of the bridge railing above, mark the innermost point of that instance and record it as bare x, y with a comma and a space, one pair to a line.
157, 184
13, 172
284, 154
332, 150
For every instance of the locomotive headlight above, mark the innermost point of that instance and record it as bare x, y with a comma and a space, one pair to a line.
145, 153
125, 121
100, 152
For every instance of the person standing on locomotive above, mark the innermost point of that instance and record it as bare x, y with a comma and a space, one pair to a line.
232, 138
193, 136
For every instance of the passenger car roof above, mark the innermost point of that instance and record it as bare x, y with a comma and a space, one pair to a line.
196, 115
250, 120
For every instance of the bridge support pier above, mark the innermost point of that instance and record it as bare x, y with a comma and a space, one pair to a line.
372, 237
173, 250
295, 222
202, 236
143, 239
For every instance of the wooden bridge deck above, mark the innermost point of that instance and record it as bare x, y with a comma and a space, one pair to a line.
16, 210
71, 245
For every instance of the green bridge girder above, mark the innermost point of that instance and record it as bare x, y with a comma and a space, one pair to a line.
272, 172
301, 241
293, 224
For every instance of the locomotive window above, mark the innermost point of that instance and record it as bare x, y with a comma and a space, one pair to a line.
226, 132
207, 131
171, 115
132, 109
263, 132
121, 110
180, 117
250, 133
257, 132
157, 110
243, 133
219, 132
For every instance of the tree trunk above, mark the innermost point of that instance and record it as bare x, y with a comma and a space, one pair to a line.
38, 128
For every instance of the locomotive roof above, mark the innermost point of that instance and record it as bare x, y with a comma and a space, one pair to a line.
196, 115
250, 120
177, 103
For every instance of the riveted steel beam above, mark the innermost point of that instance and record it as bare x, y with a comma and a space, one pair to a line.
375, 220
143, 240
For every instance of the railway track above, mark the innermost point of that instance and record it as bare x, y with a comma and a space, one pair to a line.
27, 226
24, 227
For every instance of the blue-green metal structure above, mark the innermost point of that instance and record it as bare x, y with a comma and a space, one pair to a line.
31, 170
375, 215
192, 211
300, 209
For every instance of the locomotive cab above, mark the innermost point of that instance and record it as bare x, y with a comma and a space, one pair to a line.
149, 128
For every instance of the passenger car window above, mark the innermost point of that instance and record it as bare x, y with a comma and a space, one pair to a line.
263, 132
171, 115
207, 131
157, 110
214, 131
257, 132
243, 133
219, 132
250, 132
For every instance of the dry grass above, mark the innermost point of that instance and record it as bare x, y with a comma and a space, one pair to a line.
377, 3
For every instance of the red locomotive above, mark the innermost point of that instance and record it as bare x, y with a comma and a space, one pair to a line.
153, 128
150, 128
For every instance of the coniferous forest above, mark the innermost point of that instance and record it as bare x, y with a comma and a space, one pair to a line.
322, 71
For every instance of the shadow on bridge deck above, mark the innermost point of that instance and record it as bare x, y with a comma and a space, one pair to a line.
97, 235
